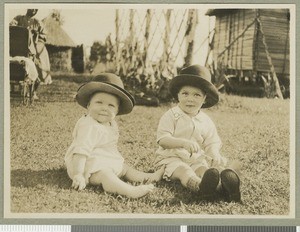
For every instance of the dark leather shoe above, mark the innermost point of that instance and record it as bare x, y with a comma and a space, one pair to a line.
209, 183
230, 185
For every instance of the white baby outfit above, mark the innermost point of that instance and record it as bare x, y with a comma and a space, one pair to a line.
99, 143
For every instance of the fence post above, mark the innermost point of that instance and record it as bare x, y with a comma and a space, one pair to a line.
192, 22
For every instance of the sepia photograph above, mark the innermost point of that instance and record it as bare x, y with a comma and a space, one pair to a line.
149, 111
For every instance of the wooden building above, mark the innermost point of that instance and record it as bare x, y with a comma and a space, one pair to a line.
250, 42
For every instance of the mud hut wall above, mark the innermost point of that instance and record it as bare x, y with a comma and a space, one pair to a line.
60, 58
275, 24
229, 26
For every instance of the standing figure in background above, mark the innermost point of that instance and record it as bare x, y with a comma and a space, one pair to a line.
41, 57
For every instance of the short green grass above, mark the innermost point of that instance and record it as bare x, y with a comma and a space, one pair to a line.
254, 132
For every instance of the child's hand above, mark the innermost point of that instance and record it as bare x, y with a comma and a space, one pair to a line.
191, 146
78, 182
218, 160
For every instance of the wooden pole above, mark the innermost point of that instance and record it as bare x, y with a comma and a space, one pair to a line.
269, 58
117, 41
208, 44
210, 50
131, 25
130, 43
146, 37
165, 59
190, 36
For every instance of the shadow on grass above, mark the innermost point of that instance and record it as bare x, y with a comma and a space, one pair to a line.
185, 196
51, 177
59, 178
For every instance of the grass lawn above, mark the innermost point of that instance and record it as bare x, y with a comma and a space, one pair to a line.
254, 132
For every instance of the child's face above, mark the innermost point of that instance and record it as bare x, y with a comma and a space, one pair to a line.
103, 107
191, 99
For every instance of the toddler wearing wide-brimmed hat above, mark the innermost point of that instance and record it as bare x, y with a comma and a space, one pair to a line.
189, 145
93, 157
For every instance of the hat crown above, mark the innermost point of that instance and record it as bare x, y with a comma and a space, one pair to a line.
109, 78
109, 83
197, 70
196, 76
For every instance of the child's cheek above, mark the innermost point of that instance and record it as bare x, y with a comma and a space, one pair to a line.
113, 114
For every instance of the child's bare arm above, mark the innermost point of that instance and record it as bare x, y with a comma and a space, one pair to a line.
78, 164
170, 142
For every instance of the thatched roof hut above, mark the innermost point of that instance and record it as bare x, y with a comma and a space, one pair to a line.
238, 42
59, 44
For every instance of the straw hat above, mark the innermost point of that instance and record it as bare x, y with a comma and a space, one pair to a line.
109, 83
196, 76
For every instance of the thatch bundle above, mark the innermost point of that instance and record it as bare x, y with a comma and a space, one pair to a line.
59, 44
56, 36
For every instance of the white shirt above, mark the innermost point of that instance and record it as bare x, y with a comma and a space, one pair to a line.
199, 128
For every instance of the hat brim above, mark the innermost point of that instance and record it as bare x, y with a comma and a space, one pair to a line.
87, 90
212, 96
